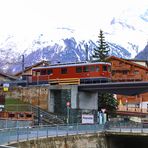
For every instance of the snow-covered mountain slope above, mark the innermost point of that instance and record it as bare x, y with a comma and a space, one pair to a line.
143, 55
126, 34
129, 30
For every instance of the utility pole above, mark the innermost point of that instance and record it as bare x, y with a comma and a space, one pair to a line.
86, 50
23, 64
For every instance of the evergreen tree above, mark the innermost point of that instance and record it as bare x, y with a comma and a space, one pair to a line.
101, 51
105, 100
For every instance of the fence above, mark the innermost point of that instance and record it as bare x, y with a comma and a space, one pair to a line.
10, 135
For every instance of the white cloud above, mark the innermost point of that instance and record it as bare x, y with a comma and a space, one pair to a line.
27, 18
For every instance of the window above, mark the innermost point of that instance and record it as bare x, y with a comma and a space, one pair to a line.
78, 69
125, 72
11, 115
38, 73
97, 68
43, 72
113, 72
109, 68
21, 115
104, 67
92, 68
34, 73
136, 72
29, 115
49, 71
120, 63
63, 70
85, 69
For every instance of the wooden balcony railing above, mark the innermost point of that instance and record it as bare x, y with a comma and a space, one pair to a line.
132, 109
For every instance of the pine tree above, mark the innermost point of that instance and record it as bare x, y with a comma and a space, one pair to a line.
107, 101
101, 52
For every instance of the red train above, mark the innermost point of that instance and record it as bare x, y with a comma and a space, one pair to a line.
84, 72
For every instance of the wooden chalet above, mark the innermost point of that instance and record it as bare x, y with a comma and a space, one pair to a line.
6, 77
130, 70
28, 70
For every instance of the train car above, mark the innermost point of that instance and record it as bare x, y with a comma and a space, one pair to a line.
84, 72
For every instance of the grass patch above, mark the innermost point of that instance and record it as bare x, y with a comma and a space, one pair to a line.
13, 101
15, 105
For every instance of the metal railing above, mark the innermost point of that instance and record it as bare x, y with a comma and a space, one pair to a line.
12, 135
15, 135
132, 109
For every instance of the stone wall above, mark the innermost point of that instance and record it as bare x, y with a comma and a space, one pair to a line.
71, 141
35, 95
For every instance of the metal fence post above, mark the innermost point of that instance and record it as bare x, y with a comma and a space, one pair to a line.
77, 128
47, 132
142, 127
120, 127
67, 129
8, 136
27, 133
37, 132
131, 128
17, 131
57, 130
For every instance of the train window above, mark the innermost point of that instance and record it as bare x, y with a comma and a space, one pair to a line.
97, 68
43, 72
104, 67
63, 70
92, 68
136, 72
49, 71
78, 69
125, 72
85, 69
38, 73
109, 68
34, 73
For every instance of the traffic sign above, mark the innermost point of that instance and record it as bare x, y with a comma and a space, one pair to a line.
68, 104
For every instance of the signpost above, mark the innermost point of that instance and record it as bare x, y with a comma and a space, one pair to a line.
87, 119
68, 107
5, 86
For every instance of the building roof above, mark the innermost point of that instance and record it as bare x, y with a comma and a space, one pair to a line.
128, 62
47, 63
10, 77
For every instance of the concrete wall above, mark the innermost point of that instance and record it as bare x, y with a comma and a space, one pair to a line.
88, 100
76, 141
32, 94
43, 96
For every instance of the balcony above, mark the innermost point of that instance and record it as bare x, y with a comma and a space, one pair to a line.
132, 109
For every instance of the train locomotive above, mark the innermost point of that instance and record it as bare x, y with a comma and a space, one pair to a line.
85, 72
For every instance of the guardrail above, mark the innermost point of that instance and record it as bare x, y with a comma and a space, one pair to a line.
15, 135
